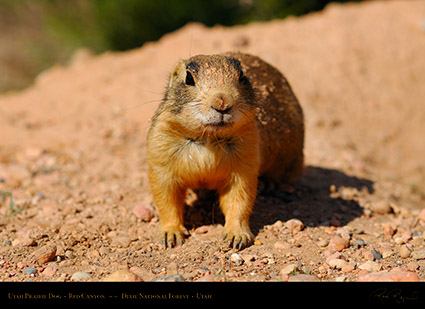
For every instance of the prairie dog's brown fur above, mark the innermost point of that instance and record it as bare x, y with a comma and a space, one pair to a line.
225, 119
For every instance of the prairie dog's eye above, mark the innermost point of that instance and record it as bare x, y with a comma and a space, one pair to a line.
189, 79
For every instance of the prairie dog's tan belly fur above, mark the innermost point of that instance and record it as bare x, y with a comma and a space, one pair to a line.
225, 120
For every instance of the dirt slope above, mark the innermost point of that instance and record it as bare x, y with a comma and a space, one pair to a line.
72, 153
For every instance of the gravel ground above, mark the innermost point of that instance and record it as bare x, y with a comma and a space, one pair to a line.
74, 197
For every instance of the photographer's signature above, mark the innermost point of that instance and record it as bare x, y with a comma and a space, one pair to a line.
394, 296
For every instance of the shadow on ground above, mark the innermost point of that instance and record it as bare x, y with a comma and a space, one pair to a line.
309, 200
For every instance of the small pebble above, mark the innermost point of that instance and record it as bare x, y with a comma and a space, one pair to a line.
261, 262
25, 241
389, 228
412, 266
50, 271
344, 233
338, 263
80, 275
122, 275
209, 278
172, 268
387, 252
335, 255
406, 235
30, 271
95, 253
248, 258
257, 242
277, 225
341, 279
69, 254
348, 268
370, 266
281, 245
121, 242
286, 270
170, 278
418, 254
404, 252
142, 273
294, 225
237, 259
376, 254
368, 255
143, 212
357, 243
44, 254
381, 207
323, 242
303, 278
399, 276
337, 243
202, 229
398, 240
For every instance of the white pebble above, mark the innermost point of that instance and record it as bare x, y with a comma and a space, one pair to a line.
294, 225
79, 275
236, 258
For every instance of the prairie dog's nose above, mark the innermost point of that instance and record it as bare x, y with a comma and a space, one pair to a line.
221, 103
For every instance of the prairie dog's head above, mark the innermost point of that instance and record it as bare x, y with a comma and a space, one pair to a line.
210, 94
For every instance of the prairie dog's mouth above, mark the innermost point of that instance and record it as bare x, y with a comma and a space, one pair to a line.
219, 125
219, 121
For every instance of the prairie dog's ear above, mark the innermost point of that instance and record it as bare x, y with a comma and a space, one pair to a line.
178, 69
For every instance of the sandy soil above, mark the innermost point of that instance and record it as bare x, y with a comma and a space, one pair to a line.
72, 156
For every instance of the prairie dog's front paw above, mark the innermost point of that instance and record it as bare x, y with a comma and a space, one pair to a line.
170, 236
238, 238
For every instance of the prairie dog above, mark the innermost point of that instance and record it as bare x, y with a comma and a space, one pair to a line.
225, 120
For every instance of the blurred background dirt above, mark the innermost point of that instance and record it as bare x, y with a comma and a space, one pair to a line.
73, 170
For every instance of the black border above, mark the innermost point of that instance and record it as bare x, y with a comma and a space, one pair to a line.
204, 293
